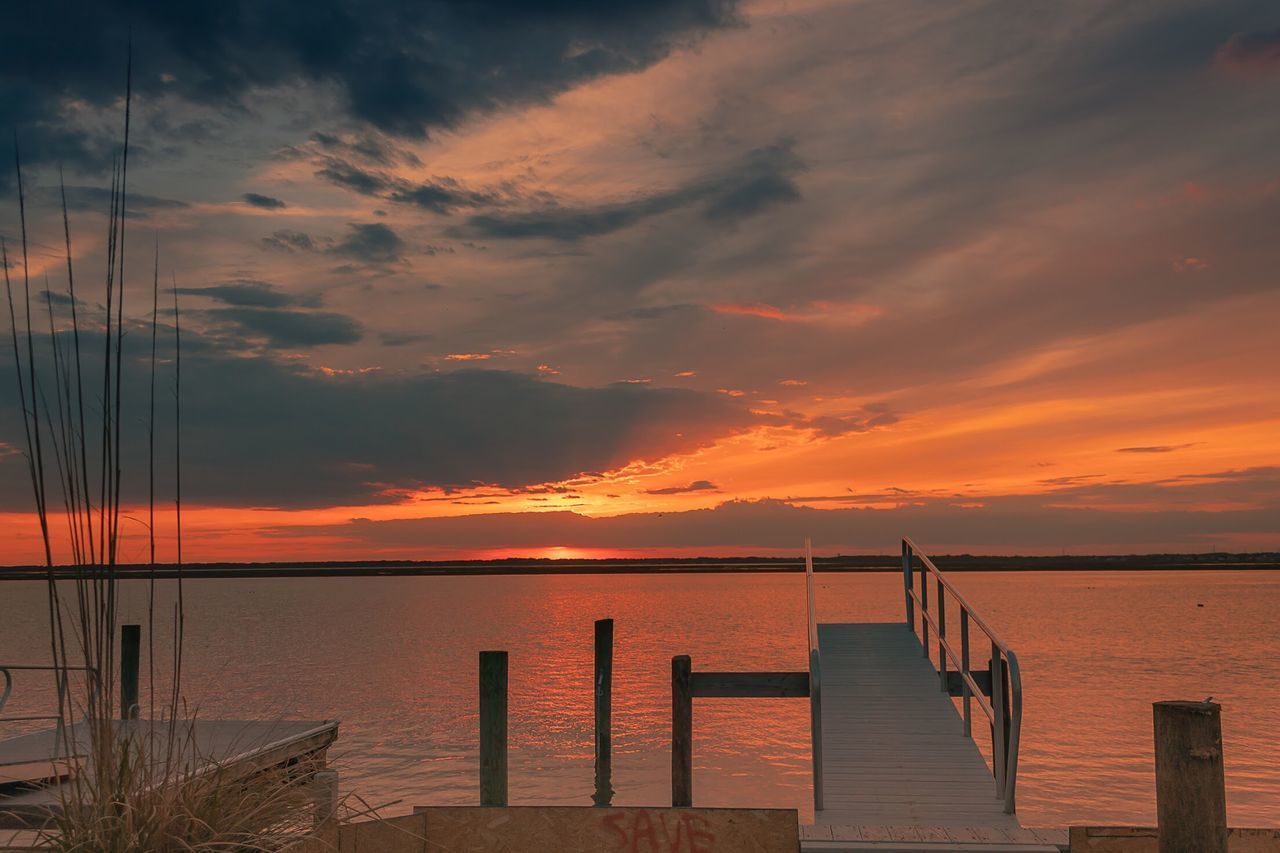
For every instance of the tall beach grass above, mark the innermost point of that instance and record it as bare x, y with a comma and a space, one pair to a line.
139, 785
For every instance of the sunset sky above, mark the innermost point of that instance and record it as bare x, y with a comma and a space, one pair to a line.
579, 279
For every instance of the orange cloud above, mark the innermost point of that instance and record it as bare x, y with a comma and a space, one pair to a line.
758, 309
838, 313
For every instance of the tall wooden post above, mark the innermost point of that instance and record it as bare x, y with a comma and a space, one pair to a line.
604, 713
1191, 799
130, 652
493, 728
681, 731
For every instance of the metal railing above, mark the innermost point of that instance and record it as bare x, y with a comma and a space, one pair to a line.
997, 690
815, 678
60, 683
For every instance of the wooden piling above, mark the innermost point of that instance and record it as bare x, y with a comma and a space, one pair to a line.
130, 652
681, 731
324, 787
493, 728
603, 795
1191, 800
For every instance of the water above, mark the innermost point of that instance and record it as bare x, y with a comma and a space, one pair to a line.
395, 660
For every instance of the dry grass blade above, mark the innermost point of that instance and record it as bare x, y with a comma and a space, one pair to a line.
141, 785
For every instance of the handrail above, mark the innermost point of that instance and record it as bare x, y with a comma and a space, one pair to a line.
7, 670
815, 678
1004, 684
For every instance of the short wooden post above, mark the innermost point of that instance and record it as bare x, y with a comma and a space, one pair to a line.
130, 652
1191, 800
324, 790
493, 728
603, 795
681, 731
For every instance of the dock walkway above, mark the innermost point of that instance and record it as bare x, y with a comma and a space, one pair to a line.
896, 765
894, 750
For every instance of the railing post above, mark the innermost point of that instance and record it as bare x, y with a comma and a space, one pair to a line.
604, 712
906, 585
998, 740
924, 609
493, 728
130, 652
681, 731
942, 635
815, 676
815, 726
1013, 715
965, 692
1191, 806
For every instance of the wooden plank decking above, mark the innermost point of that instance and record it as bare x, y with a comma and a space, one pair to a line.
894, 751
898, 772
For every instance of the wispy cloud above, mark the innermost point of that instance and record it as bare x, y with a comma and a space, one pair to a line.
695, 486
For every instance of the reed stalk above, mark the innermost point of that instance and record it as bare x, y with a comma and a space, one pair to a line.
135, 785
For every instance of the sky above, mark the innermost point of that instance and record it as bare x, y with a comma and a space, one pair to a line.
569, 279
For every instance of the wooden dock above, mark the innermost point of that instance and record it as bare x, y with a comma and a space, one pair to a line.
896, 766
233, 746
893, 746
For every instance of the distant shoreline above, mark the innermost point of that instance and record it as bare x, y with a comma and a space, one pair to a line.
659, 565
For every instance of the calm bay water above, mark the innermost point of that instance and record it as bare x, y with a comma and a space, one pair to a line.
395, 660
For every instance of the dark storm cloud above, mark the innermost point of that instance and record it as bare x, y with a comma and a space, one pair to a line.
287, 328
249, 293
351, 177
98, 199
752, 196
763, 179
370, 243
866, 420
400, 339
289, 241
440, 195
258, 431
403, 67
443, 195
1251, 52
374, 244
266, 202
365, 147
59, 299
